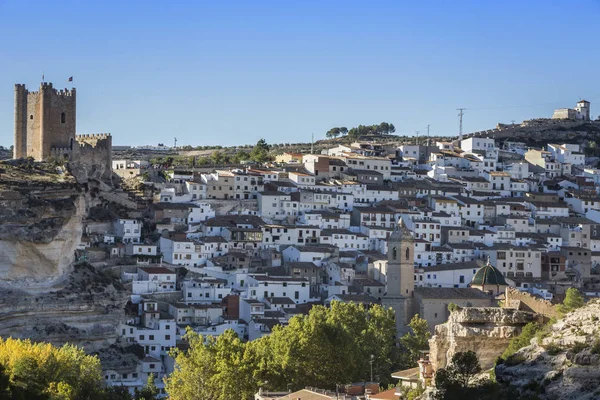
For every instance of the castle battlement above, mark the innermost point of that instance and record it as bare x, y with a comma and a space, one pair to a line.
93, 136
46, 87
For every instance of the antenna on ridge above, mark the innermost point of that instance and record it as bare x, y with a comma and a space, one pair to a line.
312, 144
460, 122
175, 146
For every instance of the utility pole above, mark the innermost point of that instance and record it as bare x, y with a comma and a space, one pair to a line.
428, 135
461, 112
312, 144
175, 144
417, 133
371, 362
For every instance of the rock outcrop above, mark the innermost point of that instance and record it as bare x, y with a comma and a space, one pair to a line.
484, 330
86, 310
41, 209
563, 365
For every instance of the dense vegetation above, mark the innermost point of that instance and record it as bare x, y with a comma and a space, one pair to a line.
461, 380
41, 371
328, 346
383, 128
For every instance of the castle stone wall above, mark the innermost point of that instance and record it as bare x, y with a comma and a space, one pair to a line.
519, 300
92, 156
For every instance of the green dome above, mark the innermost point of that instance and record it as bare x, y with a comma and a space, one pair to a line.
488, 275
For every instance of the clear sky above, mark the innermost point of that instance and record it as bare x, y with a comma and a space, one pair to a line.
231, 72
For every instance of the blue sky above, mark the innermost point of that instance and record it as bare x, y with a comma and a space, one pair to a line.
231, 72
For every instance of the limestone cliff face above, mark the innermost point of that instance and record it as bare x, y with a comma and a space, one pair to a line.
484, 330
85, 311
43, 295
42, 251
565, 364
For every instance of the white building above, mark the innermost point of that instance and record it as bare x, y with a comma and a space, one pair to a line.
128, 230
262, 286
153, 280
205, 290
457, 275
179, 252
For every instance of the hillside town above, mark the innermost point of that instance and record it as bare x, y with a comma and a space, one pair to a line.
421, 228
451, 222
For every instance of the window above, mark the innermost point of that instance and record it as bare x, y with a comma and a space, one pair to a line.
63, 118
167, 337
151, 337
296, 295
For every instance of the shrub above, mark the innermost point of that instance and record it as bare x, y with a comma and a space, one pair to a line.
553, 349
596, 347
514, 359
453, 307
578, 347
527, 333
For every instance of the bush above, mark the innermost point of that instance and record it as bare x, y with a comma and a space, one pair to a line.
528, 332
596, 347
578, 347
453, 307
573, 300
514, 359
553, 349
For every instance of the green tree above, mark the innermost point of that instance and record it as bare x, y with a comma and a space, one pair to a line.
149, 391
415, 341
117, 393
42, 371
573, 300
240, 156
217, 157
332, 133
453, 382
327, 346
261, 152
591, 149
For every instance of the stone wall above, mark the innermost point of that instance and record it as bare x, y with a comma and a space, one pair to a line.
519, 300
484, 330
94, 155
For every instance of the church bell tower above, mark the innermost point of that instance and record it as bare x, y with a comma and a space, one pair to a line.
400, 274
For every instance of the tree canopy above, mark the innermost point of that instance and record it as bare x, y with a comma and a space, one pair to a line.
573, 300
41, 371
415, 341
326, 347
261, 152
384, 128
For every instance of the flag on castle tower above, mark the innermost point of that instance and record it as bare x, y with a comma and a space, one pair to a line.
70, 79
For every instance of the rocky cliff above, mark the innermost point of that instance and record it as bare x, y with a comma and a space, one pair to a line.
563, 365
85, 310
484, 330
41, 209
43, 294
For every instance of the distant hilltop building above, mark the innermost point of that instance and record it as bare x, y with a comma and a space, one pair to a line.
580, 112
45, 126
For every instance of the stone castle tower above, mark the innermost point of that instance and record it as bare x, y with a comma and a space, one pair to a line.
400, 276
44, 120
45, 126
